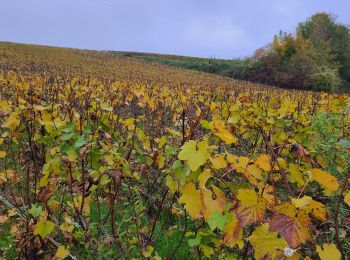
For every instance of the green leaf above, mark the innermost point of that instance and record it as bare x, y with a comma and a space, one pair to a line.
66, 137
217, 220
105, 106
43, 227
170, 150
70, 128
148, 252
104, 180
344, 143
195, 241
205, 124
82, 140
35, 210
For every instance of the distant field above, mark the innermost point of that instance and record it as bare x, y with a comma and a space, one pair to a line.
212, 65
112, 155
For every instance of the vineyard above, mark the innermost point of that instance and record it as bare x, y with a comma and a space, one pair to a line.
105, 156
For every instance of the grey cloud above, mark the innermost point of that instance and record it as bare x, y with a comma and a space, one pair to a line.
207, 28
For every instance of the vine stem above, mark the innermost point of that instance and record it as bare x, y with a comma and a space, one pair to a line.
25, 216
301, 192
336, 215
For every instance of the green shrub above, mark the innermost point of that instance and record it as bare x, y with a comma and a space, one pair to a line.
325, 80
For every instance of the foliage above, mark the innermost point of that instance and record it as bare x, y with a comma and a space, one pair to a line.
326, 80
316, 57
322, 29
104, 157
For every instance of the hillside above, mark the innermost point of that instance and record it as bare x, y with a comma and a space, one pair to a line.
227, 68
102, 64
109, 156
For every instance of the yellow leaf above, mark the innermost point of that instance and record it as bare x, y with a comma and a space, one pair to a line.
263, 161
2, 154
234, 118
12, 122
162, 142
239, 163
209, 204
219, 129
231, 158
253, 174
207, 250
267, 244
326, 180
233, 232
191, 197
318, 210
203, 177
67, 226
268, 194
220, 196
172, 184
136, 175
61, 252
347, 198
329, 252
11, 213
44, 180
311, 206
282, 163
198, 112
195, 154
296, 175
251, 208
218, 161
302, 202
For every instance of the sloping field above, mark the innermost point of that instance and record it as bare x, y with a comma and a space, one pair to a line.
104, 156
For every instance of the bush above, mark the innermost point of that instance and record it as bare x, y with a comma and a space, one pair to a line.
325, 80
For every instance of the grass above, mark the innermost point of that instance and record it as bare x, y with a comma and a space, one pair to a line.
6, 243
165, 244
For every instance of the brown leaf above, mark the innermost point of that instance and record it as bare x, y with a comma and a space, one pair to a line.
83, 151
2, 113
233, 232
3, 219
46, 192
116, 174
292, 224
301, 153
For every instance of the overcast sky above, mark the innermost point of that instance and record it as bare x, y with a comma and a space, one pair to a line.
205, 28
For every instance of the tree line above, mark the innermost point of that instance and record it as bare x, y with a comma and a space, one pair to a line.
315, 57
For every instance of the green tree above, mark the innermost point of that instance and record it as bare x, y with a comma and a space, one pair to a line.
312, 58
322, 30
